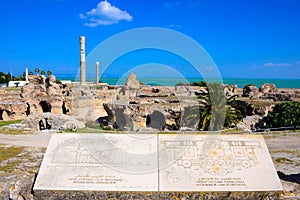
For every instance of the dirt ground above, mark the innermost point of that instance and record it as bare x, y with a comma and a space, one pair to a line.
284, 148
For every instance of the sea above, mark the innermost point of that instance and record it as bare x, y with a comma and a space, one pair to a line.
280, 83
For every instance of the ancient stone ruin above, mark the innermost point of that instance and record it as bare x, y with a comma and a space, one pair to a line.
131, 107
40, 95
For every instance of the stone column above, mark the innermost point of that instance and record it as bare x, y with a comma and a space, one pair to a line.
26, 74
82, 61
97, 73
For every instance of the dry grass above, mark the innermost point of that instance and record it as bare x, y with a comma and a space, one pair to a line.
13, 88
91, 130
13, 132
20, 159
9, 152
283, 160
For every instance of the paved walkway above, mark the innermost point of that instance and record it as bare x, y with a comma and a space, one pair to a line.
287, 141
29, 140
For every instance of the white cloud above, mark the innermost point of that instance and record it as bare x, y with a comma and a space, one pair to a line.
270, 64
105, 14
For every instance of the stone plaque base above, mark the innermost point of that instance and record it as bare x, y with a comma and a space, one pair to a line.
157, 166
96, 195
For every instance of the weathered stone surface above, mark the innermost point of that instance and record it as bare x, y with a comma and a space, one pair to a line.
42, 79
87, 102
92, 102
248, 123
13, 110
31, 91
127, 166
52, 121
251, 91
138, 116
278, 96
50, 80
155, 91
92, 195
268, 88
291, 189
132, 82
33, 79
221, 162
99, 162
231, 90
16, 187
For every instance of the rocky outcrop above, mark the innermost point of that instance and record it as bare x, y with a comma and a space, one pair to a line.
231, 90
12, 107
158, 91
132, 82
51, 121
268, 91
129, 107
88, 100
251, 91
12, 110
268, 88
248, 123
40, 95
278, 96
16, 186
164, 116
46, 96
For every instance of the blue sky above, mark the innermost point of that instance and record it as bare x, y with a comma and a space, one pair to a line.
246, 39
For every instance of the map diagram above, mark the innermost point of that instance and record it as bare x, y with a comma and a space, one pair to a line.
160, 162
219, 157
105, 151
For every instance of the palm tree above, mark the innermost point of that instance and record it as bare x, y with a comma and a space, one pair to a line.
30, 73
217, 102
213, 110
49, 72
37, 70
233, 116
43, 72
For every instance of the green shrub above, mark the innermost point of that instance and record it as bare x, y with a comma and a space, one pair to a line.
286, 114
182, 84
200, 84
4, 78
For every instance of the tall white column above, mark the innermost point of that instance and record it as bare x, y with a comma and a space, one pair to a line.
26, 74
82, 61
97, 73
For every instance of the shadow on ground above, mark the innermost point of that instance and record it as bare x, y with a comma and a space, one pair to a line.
295, 178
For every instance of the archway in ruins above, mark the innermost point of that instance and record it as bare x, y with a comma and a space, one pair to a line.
28, 109
156, 120
64, 108
1, 114
4, 114
46, 107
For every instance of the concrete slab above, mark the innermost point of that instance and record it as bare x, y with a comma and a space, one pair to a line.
215, 163
157, 163
99, 162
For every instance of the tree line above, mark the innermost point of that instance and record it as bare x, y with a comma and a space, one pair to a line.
5, 78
